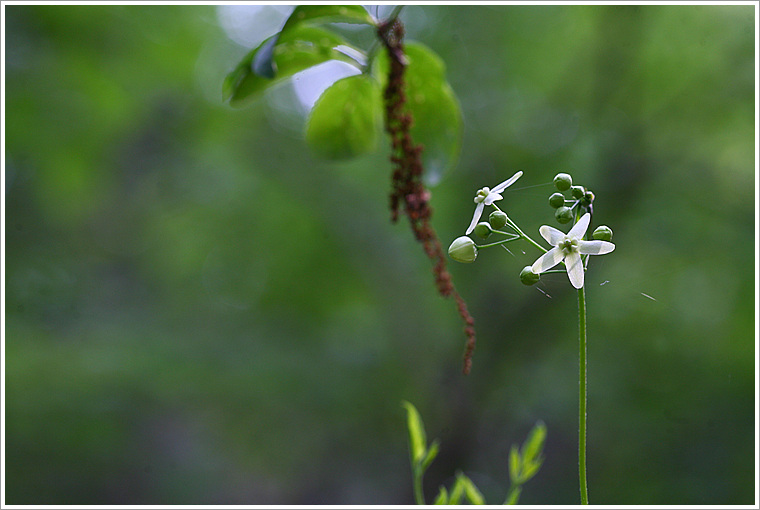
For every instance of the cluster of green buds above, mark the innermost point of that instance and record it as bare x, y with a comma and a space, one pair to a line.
570, 249
580, 201
464, 249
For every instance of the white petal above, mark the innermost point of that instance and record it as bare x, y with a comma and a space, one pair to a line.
595, 247
574, 269
475, 218
547, 261
551, 234
579, 229
504, 185
492, 197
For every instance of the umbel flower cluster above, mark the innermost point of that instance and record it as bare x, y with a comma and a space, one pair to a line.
570, 249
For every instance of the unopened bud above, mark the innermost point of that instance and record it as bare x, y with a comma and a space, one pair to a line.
528, 277
463, 250
557, 200
602, 233
577, 192
563, 182
564, 215
483, 230
497, 219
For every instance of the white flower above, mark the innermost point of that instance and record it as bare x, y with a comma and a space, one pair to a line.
569, 248
486, 196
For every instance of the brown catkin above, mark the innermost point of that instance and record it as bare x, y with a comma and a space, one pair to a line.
406, 178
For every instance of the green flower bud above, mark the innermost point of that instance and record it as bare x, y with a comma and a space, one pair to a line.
602, 233
497, 219
528, 277
587, 199
563, 182
577, 192
564, 215
483, 230
463, 250
557, 200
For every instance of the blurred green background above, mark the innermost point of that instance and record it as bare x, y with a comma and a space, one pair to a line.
199, 310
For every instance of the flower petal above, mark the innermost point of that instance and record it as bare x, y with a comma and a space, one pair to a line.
492, 197
579, 229
595, 247
574, 266
504, 185
475, 218
551, 234
547, 261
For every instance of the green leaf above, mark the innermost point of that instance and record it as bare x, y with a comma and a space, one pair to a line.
416, 429
328, 14
430, 455
534, 443
346, 120
264, 62
294, 51
438, 124
457, 491
514, 465
530, 470
473, 494
442, 498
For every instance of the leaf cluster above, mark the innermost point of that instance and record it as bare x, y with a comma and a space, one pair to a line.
346, 120
524, 463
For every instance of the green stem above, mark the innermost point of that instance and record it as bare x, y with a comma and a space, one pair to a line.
419, 497
522, 234
582, 396
394, 13
503, 241
514, 495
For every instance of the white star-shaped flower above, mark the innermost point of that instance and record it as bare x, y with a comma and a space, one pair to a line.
487, 196
569, 248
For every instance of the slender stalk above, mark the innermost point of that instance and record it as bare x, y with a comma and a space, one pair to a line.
582, 396
419, 497
522, 234
514, 494
503, 241
394, 13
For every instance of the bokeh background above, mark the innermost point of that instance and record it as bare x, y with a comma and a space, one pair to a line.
199, 310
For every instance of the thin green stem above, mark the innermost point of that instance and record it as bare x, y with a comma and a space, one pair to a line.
419, 497
522, 234
497, 243
514, 495
582, 396
394, 13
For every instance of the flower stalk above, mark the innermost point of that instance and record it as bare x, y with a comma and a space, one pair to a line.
582, 395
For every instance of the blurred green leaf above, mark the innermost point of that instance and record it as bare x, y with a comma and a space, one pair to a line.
416, 430
530, 470
328, 14
264, 63
346, 120
442, 498
514, 465
298, 49
438, 124
464, 487
534, 443
430, 455
473, 494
